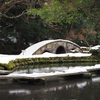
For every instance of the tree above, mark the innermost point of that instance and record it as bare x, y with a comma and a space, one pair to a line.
18, 30
73, 14
67, 11
28, 21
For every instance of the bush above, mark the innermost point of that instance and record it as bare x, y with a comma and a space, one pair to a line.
95, 52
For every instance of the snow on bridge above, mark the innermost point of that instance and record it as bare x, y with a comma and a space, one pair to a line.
58, 46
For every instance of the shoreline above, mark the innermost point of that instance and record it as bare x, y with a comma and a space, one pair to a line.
46, 60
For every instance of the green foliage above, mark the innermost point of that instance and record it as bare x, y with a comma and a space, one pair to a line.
56, 12
98, 38
65, 11
76, 13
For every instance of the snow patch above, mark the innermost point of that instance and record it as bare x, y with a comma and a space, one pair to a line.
95, 47
7, 58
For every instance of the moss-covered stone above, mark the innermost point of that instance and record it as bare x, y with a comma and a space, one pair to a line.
3, 65
8, 66
11, 65
29, 61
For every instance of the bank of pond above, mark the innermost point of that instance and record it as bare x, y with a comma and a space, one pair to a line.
31, 61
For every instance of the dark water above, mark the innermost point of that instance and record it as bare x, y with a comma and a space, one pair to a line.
70, 89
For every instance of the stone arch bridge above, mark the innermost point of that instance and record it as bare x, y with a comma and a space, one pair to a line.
58, 46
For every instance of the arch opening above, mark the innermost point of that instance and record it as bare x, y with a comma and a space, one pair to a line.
60, 50
46, 51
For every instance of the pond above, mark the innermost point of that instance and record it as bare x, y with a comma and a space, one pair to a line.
66, 89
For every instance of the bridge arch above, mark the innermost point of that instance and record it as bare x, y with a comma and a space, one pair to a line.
60, 50
46, 51
52, 46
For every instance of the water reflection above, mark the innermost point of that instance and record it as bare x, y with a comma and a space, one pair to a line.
19, 92
53, 71
79, 89
78, 85
73, 89
51, 68
96, 79
81, 85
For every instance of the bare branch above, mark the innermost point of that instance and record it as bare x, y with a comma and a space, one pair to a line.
6, 6
23, 13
